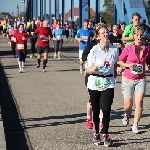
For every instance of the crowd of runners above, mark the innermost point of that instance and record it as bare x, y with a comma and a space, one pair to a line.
105, 50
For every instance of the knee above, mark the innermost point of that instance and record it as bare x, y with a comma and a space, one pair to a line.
139, 103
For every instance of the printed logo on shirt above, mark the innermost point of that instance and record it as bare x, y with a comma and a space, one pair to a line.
105, 68
137, 69
85, 38
58, 38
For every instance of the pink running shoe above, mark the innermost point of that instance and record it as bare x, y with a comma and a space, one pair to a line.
89, 123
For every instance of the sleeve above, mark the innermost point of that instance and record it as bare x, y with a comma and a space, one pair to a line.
86, 51
90, 58
110, 39
91, 34
78, 34
126, 31
124, 54
37, 31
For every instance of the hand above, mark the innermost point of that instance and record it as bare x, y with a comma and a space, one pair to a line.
23, 38
41, 36
131, 65
147, 67
119, 70
95, 68
119, 45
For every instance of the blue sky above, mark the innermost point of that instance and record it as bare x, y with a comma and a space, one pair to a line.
10, 5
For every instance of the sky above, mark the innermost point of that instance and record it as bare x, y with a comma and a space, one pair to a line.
10, 5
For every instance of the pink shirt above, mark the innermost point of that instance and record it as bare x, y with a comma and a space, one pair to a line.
129, 56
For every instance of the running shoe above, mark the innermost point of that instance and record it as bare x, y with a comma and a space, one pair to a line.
31, 56
125, 120
100, 127
135, 129
55, 55
58, 58
38, 65
107, 141
43, 70
89, 123
23, 70
97, 140
20, 71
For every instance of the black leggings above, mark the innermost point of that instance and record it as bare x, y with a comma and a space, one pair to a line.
105, 99
13, 47
33, 42
58, 46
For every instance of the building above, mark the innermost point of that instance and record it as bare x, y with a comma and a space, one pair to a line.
76, 14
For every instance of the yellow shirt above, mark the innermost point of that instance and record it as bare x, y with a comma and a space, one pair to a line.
4, 24
28, 24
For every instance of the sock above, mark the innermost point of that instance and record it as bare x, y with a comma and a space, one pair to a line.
20, 65
38, 60
44, 64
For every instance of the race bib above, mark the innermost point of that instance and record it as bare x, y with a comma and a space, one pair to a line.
58, 38
85, 38
102, 82
137, 69
20, 46
116, 44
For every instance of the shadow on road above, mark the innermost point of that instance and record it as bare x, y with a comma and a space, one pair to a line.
15, 135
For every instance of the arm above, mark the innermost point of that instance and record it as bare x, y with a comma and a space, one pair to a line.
123, 57
91, 68
77, 37
87, 51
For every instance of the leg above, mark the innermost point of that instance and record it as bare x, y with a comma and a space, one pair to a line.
45, 51
95, 102
81, 62
60, 43
56, 46
19, 54
39, 52
106, 102
140, 90
128, 92
31, 42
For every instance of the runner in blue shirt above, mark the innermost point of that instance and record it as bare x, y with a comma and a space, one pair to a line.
84, 36
58, 35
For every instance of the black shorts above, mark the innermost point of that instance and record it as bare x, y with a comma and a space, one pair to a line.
42, 49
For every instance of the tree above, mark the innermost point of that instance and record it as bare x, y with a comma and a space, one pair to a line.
108, 12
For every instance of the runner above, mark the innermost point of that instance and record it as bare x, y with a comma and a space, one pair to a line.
100, 64
66, 28
58, 35
128, 32
133, 59
44, 34
21, 38
4, 27
115, 39
13, 44
33, 38
89, 122
84, 36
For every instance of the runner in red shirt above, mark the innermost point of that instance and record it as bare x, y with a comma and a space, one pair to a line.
44, 35
21, 38
67, 27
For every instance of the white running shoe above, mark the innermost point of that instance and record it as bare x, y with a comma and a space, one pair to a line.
43, 70
55, 55
58, 58
20, 71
